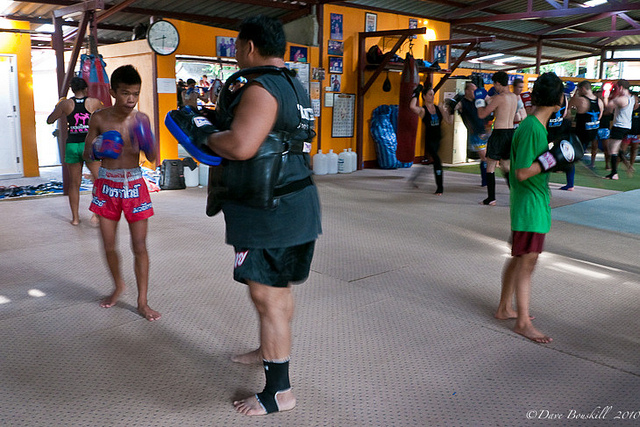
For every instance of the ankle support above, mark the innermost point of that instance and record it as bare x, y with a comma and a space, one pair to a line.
277, 374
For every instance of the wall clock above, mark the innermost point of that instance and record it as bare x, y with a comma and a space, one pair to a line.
163, 37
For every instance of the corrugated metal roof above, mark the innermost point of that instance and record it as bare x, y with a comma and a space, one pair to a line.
513, 36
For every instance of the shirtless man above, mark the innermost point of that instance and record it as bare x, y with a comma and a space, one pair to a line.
120, 187
504, 105
589, 111
191, 95
77, 110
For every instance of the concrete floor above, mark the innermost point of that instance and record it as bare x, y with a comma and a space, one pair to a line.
393, 328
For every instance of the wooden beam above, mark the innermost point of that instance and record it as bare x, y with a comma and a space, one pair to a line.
613, 34
560, 13
79, 7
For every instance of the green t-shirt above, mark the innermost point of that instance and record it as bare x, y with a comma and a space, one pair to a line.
530, 199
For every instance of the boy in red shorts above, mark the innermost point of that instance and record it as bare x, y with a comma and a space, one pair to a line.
120, 187
530, 203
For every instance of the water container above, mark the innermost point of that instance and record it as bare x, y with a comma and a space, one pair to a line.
191, 178
354, 160
203, 174
332, 162
320, 163
344, 162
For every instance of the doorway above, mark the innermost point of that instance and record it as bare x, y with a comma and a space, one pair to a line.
10, 144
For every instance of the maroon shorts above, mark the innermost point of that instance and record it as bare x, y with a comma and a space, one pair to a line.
526, 242
121, 190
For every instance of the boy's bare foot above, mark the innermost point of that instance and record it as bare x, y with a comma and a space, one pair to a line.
148, 313
508, 315
74, 221
252, 358
111, 300
251, 406
533, 334
94, 220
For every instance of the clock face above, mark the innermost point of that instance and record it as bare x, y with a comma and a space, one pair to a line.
163, 37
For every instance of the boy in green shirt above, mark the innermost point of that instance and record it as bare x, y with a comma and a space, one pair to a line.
530, 199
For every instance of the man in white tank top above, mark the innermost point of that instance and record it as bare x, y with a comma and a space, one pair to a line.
621, 103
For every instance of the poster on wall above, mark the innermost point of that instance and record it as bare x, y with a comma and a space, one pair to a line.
413, 24
336, 26
336, 82
315, 97
302, 70
370, 22
298, 54
335, 47
335, 64
343, 115
226, 46
440, 54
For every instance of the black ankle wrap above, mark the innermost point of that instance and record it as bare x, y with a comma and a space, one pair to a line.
277, 374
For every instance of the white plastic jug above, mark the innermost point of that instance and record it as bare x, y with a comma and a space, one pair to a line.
332, 162
344, 162
354, 160
203, 174
320, 163
191, 177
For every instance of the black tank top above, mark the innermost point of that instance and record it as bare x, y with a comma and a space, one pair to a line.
589, 120
635, 122
78, 121
432, 130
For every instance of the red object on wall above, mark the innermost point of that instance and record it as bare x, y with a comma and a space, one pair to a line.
407, 120
93, 72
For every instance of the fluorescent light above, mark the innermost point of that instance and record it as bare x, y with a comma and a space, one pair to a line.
495, 55
4, 5
509, 59
592, 3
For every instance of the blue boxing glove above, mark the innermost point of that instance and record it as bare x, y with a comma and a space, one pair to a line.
492, 91
569, 87
192, 132
480, 95
108, 145
140, 130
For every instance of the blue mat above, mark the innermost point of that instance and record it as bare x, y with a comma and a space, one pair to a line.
619, 212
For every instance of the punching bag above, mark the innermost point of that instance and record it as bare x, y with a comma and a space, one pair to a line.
407, 120
93, 72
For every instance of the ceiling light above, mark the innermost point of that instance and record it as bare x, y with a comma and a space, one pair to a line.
592, 3
494, 55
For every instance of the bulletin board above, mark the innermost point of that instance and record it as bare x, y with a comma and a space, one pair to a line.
343, 115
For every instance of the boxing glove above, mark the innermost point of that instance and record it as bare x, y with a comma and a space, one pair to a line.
526, 99
569, 87
480, 95
417, 91
140, 130
192, 132
108, 145
492, 91
561, 155
451, 103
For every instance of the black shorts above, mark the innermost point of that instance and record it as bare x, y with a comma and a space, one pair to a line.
499, 144
619, 133
586, 137
275, 267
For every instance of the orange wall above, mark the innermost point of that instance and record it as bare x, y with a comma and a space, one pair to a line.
196, 40
353, 23
20, 45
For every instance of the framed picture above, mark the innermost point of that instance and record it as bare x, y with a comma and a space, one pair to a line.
440, 54
370, 22
336, 26
226, 46
335, 64
336, 82
335, 48
298, 54
413, 24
